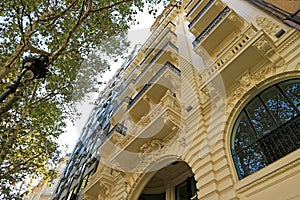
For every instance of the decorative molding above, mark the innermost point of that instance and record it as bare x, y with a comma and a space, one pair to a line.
261, 74
268, 49
152, 145
269, 176
264, 46
291, 39
246, 80
267, 25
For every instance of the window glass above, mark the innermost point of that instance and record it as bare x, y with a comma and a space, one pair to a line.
153, 196
181, 191
267, 129
186, 190
249, 160
279, 107
244, 134
292, 90
260, 117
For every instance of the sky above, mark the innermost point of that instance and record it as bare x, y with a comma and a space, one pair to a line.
138, 34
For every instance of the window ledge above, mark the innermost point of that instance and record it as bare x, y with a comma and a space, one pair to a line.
278, 171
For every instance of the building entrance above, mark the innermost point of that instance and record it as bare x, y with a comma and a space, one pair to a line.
173, 182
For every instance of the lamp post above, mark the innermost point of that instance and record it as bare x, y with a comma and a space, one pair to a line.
33, 68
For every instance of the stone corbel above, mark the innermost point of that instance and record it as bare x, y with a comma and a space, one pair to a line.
266, 48
104, 191
149, 100
174, 56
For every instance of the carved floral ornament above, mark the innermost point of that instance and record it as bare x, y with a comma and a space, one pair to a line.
152, 145
267, 25
264, 46
246, 82
267, 48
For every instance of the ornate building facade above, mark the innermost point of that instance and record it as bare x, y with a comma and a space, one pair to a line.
208, 108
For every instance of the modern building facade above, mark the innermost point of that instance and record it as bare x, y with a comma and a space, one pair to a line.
208, 108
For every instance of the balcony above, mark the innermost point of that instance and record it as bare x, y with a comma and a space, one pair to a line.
162, 40
247, 53
193, 8
159, 126
167, 78
166, 53
163, 37
220, 33
120, 110
158, 35
207, 11
126, 91
111, 138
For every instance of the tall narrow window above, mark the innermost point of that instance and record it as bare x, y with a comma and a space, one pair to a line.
268, 128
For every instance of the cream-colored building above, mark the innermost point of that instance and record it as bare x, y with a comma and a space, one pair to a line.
45, 189
209, 108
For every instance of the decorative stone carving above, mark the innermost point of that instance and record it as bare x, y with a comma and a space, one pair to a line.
263, 46
260, 75
144, 121
104, 191
267, 49
181, 141
246, 80
115, 138
267, 25
152, 145
236, 94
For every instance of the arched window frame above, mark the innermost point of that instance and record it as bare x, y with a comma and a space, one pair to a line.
258, 151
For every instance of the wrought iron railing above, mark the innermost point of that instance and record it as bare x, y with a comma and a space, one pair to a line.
154, 48
170, 22
120, 128
147, 67
192, 10
281, 141
152, 80
211, 26
201, 13
160, 52
269, 148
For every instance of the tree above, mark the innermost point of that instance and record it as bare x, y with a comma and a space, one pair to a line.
74, 34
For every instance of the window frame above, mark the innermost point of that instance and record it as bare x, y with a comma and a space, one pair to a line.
237, 123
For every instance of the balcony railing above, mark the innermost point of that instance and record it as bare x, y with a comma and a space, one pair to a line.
281, 141
170, 22
160, 51
211, 26
148, 66
125, 100
120, 128
195, 6
201, 13
163, 37
153, 79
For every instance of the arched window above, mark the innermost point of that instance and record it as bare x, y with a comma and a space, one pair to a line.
268, 128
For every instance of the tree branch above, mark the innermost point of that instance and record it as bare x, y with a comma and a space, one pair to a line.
109, 6
48, 17
81, 17
13, 168
36, 50
47, 97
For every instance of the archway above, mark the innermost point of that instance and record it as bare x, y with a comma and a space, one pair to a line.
173, 182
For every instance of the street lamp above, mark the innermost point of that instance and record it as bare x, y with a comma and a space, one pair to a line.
32, 68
